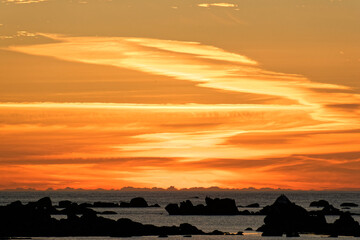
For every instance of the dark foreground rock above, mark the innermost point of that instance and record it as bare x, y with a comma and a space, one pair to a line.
34, 219
285, 217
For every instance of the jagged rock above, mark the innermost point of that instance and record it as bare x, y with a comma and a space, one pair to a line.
215, 206
320, 203
283, 216
346, 225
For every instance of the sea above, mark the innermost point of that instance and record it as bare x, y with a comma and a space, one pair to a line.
159, 216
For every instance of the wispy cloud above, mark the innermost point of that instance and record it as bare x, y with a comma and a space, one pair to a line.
23, 1
226, 5
209, 143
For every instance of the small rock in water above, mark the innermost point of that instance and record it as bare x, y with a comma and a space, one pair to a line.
349, 205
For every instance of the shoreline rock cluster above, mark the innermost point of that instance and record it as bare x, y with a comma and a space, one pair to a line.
228, 206
285, 217
34, 220
282, 217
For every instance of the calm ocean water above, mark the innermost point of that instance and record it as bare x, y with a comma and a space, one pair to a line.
159, 217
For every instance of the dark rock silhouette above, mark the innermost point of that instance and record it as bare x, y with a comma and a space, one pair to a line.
64, 204
215, 206
346, 225
34, 220
253, 205
320, 203
349, 205
137, 202
105, 205
330, 210
285, 217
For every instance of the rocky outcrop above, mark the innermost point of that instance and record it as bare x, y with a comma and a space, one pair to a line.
285, 217
320, 203
215, 206
346, 225
34, 220
137, 202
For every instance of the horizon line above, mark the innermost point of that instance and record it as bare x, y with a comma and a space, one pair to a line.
173, 189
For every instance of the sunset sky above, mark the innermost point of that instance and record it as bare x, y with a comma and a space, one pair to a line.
184, 93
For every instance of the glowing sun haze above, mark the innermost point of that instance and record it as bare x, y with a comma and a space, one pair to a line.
108, 94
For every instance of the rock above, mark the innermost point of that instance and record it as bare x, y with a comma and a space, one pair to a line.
108, 213
320, 203
240, 233
64, 204
172, 209
249, 229
253, 205
86, 205
34, 219
292, 234
155, 205
216, 232
272, 233
213, 207
349, 205
105, 205
330, 210
283, 216
137, 202
346, 225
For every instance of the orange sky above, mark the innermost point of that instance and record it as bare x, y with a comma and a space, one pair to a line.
108, 94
